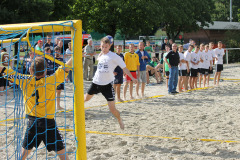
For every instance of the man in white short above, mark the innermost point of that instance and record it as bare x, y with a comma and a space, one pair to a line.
207, 65
104, 77
187, 57
219, 53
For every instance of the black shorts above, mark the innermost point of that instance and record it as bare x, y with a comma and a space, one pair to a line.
210, 71
60, 86
118, 79
201, 70
205, 71
106, 90
42, 129
150, 73
3, 81
182, 72
219, 67
194, 72
167, 73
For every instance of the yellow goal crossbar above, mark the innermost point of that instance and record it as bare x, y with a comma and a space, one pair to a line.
75, 26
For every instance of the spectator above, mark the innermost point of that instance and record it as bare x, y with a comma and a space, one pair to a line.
185, 46
118, 72
50, 64
165, 65
183, 70
163, 47
174, 60
49, 43
152, 69
157, 51
148, 48
132, 64
89, 52
68, 56
144, 58
4, 61
60, 87
170, 43
39, 46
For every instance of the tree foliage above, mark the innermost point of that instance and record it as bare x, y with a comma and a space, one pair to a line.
222, 11
130, 17
183, 15
16, 11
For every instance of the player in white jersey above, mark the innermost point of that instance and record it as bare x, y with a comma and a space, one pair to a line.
104, 77
211, 52
187, 57
195, 60
200, 65
219, 53
182, 68
207, 65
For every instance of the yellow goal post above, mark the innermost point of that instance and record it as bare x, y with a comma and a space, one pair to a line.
75, 27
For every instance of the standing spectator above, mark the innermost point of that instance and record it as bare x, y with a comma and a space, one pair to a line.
68, 55
157, 51
132, 64
118, 72
163, 47
185, 46
144, 58
56, 41
148, 48
50, 64
60, 87
174, 60
89, 52
4, 61
39, 46
49, 43
219, 53
170, 43
211, 51
165, 65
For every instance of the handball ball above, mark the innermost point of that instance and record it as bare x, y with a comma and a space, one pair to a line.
110, 38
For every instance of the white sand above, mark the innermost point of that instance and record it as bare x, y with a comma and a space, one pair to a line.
204, 114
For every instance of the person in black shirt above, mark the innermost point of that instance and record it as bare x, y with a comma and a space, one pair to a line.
174, 60
49, 43
163, 47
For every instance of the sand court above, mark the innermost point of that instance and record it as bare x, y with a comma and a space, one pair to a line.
199, 124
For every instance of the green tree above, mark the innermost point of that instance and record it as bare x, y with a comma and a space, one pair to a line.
222, 11
183, 15
130, 17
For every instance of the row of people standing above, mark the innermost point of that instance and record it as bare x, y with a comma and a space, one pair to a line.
196, 62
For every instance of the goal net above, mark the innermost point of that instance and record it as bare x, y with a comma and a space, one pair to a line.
24, 95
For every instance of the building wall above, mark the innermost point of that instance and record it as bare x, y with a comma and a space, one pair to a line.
205, 36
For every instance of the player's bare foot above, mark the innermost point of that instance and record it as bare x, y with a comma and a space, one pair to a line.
121, 124
120, 100
131, 97
60, 108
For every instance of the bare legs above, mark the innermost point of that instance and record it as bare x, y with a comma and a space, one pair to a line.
58, 100
112, 108
217, 77
142, 89
130, 89
117, 88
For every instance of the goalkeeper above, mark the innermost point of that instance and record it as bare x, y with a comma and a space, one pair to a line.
39, 94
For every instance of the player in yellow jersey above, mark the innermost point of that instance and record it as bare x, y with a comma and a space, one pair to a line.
132, 63
39, 94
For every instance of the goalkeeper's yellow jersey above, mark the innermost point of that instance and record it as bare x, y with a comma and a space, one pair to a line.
39, 94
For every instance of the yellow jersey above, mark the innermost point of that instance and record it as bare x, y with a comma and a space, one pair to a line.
39, 94
132, 61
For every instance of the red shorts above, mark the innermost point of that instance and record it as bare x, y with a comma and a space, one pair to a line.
133, 73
